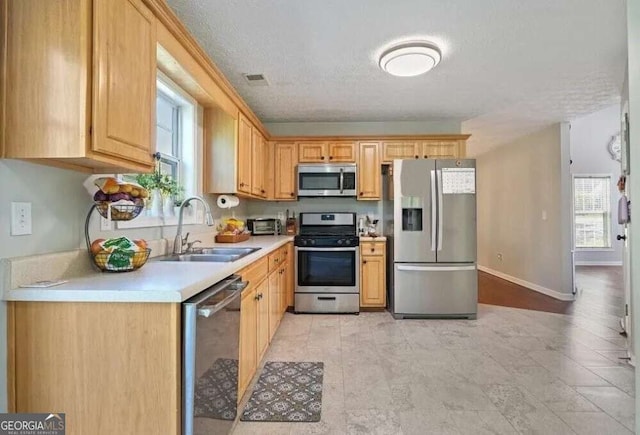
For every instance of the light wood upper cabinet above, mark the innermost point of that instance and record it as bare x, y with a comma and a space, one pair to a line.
245, 151
285, 161
399, 150
441, 149
80, 85
124, 79
344, 152
327, 152
259, 164
373, 288
369, 169
313, 152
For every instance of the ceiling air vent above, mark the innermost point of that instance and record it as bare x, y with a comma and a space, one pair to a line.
256, 79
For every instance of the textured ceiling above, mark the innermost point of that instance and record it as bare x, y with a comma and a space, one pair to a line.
508, 67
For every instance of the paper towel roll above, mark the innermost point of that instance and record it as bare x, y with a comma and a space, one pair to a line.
228, 201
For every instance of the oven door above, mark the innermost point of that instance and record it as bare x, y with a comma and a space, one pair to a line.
326, 180
327, 270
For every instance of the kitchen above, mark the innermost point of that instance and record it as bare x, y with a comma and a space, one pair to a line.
79, 200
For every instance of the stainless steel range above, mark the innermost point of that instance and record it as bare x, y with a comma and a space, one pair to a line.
327, 265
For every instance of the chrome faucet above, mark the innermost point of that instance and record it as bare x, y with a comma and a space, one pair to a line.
179, 242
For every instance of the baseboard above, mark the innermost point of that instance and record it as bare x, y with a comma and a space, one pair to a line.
540, 289
598, 263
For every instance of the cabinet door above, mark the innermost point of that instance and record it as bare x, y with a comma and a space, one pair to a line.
274, 302
342, 152
399, 150
369, 169
312, 152
283, 289
285, 161
245, 148
372, 283
124, 82
290, 278
248, 358
437, 149
257, 164
262, 325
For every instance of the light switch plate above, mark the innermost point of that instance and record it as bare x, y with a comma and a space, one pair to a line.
105, 224
20, 218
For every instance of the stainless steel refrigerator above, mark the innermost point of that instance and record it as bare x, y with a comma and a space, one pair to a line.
433, 247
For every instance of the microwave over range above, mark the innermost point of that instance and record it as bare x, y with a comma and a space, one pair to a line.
327, 180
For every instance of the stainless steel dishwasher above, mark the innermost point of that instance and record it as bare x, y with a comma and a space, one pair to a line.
210, 347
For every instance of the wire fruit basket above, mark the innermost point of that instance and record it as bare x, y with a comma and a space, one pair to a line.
119, 212
121, 261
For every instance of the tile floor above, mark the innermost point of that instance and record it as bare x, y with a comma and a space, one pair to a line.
511, 371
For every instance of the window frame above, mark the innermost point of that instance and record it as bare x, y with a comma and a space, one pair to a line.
607, 213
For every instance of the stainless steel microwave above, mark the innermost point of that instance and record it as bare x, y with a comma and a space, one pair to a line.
321, 179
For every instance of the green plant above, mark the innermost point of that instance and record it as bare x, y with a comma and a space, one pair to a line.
165, 183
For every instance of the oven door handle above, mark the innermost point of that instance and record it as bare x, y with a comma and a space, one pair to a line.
354, 249
209, 310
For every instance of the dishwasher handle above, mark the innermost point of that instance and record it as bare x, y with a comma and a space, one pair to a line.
209, 310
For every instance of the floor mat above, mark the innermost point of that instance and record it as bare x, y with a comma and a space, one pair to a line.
287, 391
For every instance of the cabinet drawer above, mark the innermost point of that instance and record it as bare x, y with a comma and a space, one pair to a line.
372, 248
255, 272
276, 258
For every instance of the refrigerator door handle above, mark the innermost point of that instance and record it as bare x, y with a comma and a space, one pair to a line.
436, 268
434, 211
440, 211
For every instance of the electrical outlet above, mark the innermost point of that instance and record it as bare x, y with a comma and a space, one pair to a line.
20, 218
544, 215
499, 255
280, 216
105, 224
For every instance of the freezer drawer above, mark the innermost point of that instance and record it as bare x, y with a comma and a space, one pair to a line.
435, 290
327, 303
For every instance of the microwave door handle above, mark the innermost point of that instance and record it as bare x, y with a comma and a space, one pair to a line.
341, 180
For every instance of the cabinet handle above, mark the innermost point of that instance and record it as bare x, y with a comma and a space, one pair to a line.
417, 157
330, 157
262, 191
364, 261
292, 195
426, 157
277, 259
241, 184
361, 193
373, 249
322, 158
257, 297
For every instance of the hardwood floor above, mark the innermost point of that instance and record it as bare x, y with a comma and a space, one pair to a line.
600, 291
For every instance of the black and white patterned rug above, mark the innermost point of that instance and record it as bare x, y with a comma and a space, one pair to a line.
216, 392
287, 391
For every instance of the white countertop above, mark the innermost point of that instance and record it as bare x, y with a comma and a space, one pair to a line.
156, 281
372, 239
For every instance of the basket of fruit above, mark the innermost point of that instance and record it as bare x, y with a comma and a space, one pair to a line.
232, 231
120, 254
119, 200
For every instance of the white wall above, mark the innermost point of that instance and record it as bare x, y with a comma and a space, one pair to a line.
363, 128
521, 211
589, 138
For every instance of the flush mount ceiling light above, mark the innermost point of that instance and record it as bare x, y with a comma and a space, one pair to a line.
410, 59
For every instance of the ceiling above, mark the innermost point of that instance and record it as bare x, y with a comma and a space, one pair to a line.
509, 67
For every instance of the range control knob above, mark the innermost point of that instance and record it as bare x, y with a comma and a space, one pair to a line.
313, 242
347, 242
303, 242
340, 242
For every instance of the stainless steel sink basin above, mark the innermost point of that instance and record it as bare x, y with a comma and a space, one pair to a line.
226, 251
212, 255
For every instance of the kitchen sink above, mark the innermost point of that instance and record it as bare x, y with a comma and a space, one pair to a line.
212, 255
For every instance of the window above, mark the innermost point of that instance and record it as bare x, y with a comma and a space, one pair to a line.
592, 211
178, 120
168, 134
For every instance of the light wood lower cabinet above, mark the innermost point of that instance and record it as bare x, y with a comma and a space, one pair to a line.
262, 324
248, 358
113, 368
274, 302
373, 288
